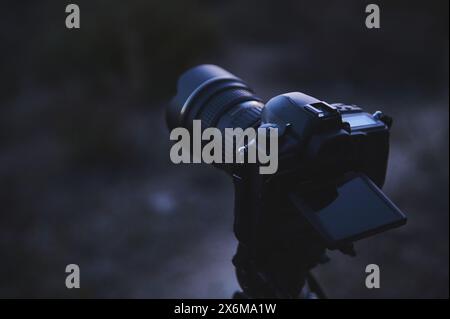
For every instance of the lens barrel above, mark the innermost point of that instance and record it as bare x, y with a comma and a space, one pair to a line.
214, 96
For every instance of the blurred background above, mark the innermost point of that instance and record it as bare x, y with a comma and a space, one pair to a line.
85, 173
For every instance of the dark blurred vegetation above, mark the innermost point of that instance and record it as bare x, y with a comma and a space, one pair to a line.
84, 167
120, 45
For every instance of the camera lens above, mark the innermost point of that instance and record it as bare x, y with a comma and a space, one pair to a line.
214, 96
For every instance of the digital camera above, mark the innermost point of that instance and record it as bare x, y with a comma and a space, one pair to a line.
332, 161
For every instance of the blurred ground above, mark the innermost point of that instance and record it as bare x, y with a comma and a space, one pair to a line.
84, 154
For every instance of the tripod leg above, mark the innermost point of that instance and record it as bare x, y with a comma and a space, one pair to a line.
315, 287
266, 282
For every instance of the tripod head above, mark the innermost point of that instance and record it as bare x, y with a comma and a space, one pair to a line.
325, 193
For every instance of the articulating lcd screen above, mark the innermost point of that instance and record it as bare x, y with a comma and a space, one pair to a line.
359, 209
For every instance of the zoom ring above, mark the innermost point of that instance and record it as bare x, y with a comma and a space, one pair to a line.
220, 102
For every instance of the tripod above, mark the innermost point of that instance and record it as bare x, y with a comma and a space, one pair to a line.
259, 284
276, 250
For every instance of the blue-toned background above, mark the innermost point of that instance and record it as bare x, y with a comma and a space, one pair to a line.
85, 174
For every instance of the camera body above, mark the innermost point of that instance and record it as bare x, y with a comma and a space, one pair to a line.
321, 140
318, 143
325, 194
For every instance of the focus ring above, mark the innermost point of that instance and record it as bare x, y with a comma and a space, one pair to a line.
221, 102
246, 117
